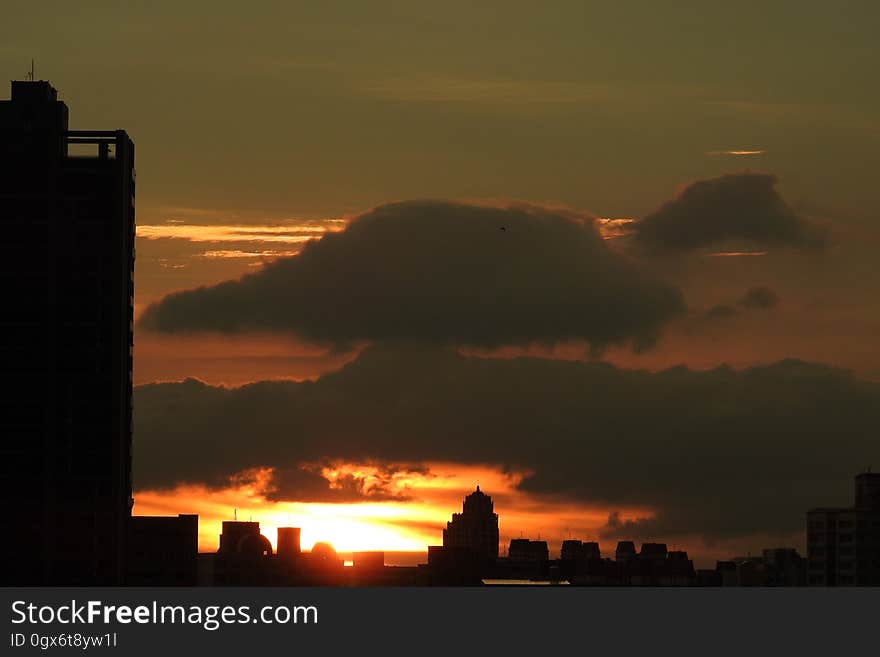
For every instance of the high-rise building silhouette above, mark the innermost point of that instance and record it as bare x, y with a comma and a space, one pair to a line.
67, 267
475, 528
843, 543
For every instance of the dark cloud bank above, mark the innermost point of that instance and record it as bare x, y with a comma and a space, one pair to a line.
742, 209
443, 273
719, 453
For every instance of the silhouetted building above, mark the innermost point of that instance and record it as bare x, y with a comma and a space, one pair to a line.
66, 271
625, 551
576, 557
572, 550
368, 561
774, 567
784, 567
457, 566
523, 550
843, 544
244, 557
289, 542
243, 539
163, 551
527, 559
476, 527
652, 565
321, 566
653, 552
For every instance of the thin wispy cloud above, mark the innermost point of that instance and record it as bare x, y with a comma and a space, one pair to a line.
737, 153
446, 88
286, 234
236, 253
737, 254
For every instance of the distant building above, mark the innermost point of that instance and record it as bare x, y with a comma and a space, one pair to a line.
784, 567
289, 543
243, 539
163, 551
653, 552
476, 527
625, 551
574, 550
67, 275
527, 559
368, 561
576, 557
652, 565
523, 550
843, 543
773, 567
244, 558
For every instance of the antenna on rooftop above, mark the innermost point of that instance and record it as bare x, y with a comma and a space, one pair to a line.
30, 75
235, 513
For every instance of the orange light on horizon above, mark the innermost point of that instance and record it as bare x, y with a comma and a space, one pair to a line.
410, 516
286, 233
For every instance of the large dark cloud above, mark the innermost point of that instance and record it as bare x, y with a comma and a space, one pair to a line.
739, 209
720, 453
440, 272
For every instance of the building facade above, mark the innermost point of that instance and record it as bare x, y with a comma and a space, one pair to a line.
67, 272
843, 543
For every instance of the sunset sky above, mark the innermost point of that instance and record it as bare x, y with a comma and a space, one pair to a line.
614, 262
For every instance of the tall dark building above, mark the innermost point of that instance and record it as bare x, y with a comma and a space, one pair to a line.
67, 270
843, 543
163, 551
476, 527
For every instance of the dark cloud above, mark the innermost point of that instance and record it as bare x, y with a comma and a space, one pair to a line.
734, 209
760, 298
756, 298
444, 273
720, 453
306, 482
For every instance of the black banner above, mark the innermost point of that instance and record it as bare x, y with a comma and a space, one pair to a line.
463, 621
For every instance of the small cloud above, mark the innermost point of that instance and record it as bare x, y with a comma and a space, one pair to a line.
760, 298
756, 298
734, 210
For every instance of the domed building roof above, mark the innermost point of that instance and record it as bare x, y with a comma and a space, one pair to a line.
325, 551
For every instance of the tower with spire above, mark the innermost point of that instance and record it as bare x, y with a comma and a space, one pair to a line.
476, 527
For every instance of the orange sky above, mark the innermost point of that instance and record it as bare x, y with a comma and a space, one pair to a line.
413, 523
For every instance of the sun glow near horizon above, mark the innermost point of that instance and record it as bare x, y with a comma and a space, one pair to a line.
413, 509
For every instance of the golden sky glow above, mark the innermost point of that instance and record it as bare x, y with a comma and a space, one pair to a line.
293, 233
412, 523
